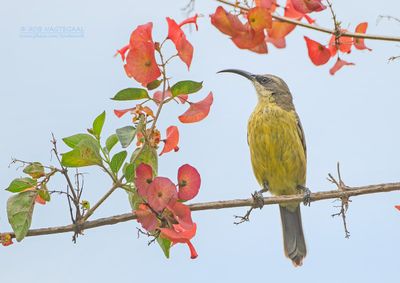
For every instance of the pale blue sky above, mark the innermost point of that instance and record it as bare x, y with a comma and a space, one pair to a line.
59, 85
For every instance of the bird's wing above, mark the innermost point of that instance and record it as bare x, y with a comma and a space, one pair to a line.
301, 134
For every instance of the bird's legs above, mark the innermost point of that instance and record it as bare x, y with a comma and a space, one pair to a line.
307, 194
258, 202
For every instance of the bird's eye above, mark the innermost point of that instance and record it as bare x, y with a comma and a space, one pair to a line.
264, 80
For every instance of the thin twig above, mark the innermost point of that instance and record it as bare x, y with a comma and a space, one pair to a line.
334, 194
317, 28
344, 200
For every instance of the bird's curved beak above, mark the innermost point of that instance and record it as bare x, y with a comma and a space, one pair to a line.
245, 74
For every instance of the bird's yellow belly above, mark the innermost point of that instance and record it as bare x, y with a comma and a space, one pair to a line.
277, 153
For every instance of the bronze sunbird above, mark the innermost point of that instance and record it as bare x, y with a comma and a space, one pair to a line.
278, 154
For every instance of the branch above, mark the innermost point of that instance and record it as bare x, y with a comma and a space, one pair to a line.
317, 28
335, 194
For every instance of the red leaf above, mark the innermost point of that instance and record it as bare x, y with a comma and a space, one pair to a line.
160, 193
397, 207
143, 179
182, 45
338, 65
189, 182
140, 61
157, 96
122, 112
191, 20
181, 236
183, 215
146, 217
280, 29
359, 42
259, 18
345, 44
318, 53
197, 111
308, 6
227, 23
172, 140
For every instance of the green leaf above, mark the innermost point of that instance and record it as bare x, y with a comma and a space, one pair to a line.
111, 142
74, 140
129, 172
165, 245
85, 153
147, 155
19, 211
154, 84
131, 94
20, 184
185, 87
44, 193
126, 135
35, 170
117, 160
98, 124
134, 200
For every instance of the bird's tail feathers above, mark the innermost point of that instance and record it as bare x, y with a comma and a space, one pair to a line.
293, 237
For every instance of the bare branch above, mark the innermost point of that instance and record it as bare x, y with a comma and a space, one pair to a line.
349, 192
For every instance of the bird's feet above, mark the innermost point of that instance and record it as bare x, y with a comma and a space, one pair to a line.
307, 195
258, 202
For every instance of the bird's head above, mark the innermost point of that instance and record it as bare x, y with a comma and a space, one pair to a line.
269, 87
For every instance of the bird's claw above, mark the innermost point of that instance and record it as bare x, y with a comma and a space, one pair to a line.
258, 199
307, 195
258, 202
244, 218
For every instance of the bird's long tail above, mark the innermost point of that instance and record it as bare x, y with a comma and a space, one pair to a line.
293, 237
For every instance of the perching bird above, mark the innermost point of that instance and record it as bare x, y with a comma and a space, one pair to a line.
278, 154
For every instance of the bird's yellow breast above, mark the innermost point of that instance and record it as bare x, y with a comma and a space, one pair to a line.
277, 153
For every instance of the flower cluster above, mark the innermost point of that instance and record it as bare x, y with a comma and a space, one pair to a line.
161, 211
260, 28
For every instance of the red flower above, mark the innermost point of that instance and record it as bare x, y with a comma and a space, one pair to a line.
338, 65
189, 182
259, 18
172, 140
144, 177
182, 214
157, 96
180, 235
343, 46
140, 61
197, 111
182, 45
191, 20
308, 6
397, 207
6, 239
318, 53
161, 193
146, 217
359, 42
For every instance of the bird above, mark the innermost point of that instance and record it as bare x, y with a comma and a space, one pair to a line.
278, 154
